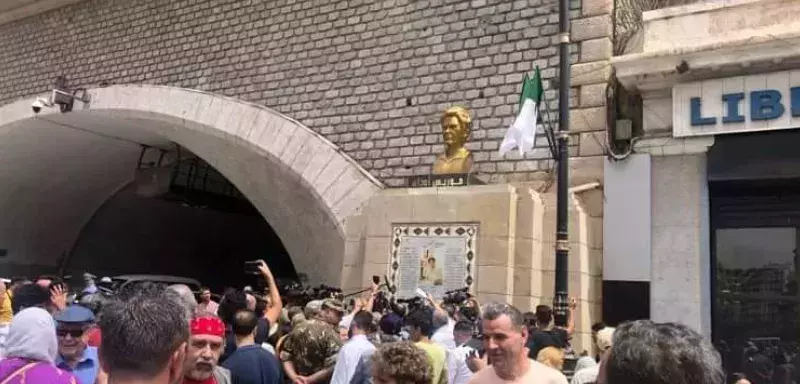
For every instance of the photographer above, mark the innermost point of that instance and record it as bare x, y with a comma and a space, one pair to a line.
546, 334
360, 305
241, 300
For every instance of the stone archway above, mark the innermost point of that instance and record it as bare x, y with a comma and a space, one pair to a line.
302, 184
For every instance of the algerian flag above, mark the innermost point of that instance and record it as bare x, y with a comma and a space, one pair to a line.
522, 133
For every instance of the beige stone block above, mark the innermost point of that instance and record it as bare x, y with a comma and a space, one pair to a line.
596, 262
495, 251
547, 258
495, 280
591, 28
265, 120
371, 269
592, 143
657, 114
377, 250
332, 174
305, 154
586, 170
587, 119
354, 200
579, 260
495, 212
597, 7
596, 233
545, 286
250, 117
383, 210
210, 111
522, 281
354, 253
592, 202
484, 297
591, 73
596, 50
593, 95
524, 303
227, 121
596, 290
300, 137
352, 277
355, 227
302, 159
530, 211
527, 253
345, 183
580, 284
434, 208
317, 163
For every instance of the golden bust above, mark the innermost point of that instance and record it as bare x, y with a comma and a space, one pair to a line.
456, 125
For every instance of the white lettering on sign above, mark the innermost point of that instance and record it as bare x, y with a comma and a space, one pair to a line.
737, 104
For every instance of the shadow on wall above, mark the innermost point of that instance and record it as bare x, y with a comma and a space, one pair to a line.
131, 234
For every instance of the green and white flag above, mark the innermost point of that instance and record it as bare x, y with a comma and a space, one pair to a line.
522, 133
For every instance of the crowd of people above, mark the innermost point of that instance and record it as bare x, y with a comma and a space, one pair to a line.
152, 333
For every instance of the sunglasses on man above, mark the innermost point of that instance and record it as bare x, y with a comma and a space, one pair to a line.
73, 332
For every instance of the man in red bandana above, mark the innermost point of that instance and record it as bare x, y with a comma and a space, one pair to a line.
206, 343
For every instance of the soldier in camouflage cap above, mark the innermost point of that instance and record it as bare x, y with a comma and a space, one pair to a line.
309, 351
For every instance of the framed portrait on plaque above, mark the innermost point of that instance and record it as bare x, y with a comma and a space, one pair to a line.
436, 258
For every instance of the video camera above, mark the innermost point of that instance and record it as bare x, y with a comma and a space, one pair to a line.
456, 296
296, 293
459, 299
403, 307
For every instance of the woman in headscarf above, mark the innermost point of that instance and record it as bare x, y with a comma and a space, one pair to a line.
31, 351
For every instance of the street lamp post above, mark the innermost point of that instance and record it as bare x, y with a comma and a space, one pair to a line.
560, 301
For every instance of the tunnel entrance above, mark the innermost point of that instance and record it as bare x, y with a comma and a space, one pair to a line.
195, 223
75, 189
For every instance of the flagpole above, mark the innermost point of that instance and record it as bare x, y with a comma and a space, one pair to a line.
561, 298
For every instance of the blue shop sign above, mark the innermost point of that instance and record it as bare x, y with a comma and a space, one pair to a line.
749, 103
765, 104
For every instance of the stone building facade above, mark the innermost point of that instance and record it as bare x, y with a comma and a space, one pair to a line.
371, 76
716, 170
316, 111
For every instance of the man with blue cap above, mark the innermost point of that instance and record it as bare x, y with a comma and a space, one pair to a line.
74, 355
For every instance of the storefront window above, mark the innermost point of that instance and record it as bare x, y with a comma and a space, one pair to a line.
756, 323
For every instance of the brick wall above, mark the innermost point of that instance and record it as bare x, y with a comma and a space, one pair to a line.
371, 75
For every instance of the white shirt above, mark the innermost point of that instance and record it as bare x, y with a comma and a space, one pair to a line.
348, 358
444, 335
586, 375
268, 347
457, 370
345, 322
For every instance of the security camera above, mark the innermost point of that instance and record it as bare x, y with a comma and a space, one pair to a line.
39, 104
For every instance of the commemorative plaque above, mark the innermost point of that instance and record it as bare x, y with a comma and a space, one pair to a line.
436, 258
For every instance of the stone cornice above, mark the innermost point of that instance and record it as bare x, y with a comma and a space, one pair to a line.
658, 70
671, 146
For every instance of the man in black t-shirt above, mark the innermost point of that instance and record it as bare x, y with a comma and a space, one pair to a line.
545, 335
251, 363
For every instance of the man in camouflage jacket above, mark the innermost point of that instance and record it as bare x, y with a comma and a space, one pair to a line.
309, 352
